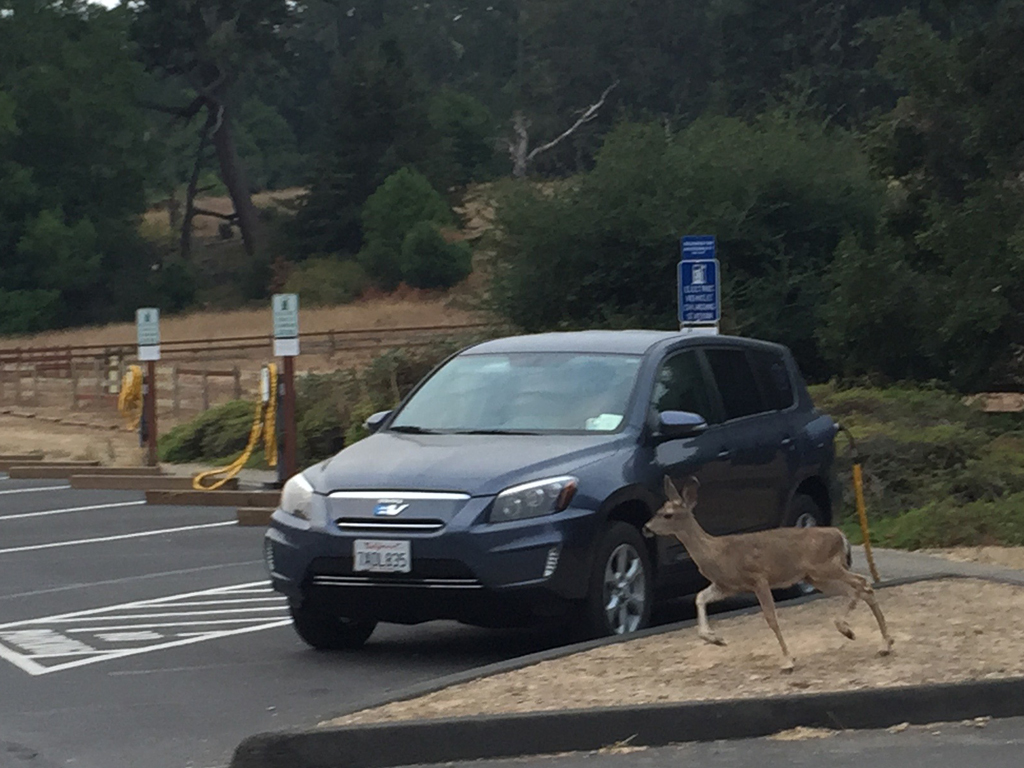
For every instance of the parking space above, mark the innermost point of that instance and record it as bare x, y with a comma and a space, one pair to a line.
135, 635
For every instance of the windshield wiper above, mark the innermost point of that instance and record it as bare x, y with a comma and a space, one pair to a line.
412, 429
495, 432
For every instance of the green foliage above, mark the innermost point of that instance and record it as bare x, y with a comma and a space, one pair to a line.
327, 281
428, 261
268, 148
215, 435
936, 471
404, 200
780, 194
466, 129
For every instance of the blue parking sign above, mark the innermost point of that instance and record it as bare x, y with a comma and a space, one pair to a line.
700, 301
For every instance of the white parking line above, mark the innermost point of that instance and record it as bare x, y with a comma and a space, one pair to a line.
47, 512
120, 537
41, 646
36, 490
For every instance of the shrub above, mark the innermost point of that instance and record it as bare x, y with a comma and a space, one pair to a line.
427, 261
221, 432
327, 281
404, 200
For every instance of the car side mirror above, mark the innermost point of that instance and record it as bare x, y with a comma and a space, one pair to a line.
373, 423
673, 425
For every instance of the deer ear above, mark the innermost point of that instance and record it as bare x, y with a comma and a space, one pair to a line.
670, 491
690, 492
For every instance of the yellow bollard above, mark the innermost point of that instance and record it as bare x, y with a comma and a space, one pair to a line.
862, 515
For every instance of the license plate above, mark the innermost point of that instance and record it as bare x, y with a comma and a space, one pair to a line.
382, 556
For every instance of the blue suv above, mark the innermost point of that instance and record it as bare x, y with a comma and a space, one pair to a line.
513, 484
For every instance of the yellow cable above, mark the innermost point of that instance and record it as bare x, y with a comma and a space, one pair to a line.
129, 399
263, 425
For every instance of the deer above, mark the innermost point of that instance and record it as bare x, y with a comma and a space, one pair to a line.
762, 561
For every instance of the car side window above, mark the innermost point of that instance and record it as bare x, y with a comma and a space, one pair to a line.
771, 370
737, 386
680, 386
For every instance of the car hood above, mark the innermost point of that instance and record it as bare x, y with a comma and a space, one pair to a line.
480, 465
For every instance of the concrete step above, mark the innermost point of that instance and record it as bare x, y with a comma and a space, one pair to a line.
138, 482
236, 499
256, 517
50, 471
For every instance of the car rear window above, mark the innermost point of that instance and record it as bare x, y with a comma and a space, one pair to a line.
770, 369
737, 385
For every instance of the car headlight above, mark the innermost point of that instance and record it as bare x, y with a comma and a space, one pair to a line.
541, 497
297, 497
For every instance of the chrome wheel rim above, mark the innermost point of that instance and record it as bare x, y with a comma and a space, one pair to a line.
625, 590
806, 520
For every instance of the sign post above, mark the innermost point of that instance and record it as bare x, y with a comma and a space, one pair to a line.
147, 325
700, 287
286, 344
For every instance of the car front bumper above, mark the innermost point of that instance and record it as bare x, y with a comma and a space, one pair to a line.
480, 573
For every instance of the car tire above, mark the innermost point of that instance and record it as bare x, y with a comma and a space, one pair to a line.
325, 631
621, 590
803, 512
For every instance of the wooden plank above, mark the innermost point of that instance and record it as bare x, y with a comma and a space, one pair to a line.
256, 517
137, 483
48, 471
214, 498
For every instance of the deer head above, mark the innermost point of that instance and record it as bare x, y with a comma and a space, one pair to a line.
676, 508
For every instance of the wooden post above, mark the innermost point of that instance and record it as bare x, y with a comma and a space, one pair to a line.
206, 391
35, 385
97, 372
150, 409
237, 373
176, 389
74, 388
289, 457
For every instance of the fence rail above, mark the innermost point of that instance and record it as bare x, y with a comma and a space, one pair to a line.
189, 380
341, 339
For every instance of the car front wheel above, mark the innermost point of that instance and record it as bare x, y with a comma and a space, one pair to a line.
325, 631
619, 600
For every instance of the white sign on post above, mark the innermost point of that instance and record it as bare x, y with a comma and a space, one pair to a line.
286, 324
147, 326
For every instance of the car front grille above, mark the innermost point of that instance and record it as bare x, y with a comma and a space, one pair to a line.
389, 526
402, 580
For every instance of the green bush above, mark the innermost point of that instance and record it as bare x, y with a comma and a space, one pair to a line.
936, 471
327, 281
219, 433
404, 200
427, 261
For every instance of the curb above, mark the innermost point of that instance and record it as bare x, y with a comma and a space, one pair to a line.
480, 738
409, 742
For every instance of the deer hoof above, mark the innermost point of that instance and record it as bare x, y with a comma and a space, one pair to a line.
788, 666
845, 630
713, 639
886, 649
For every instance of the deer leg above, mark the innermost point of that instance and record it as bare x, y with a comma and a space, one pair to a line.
763, 592
867, 594
710, 594
836, 588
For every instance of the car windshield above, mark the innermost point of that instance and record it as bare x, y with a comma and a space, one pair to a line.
523, 392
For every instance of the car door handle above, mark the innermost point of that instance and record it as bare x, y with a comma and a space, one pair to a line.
787, 441
725, 453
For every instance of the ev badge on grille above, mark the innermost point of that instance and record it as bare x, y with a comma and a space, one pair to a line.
389, 507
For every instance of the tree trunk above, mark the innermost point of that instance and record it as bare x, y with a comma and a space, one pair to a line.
232, 173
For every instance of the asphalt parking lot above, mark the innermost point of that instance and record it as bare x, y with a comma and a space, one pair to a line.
133, 635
